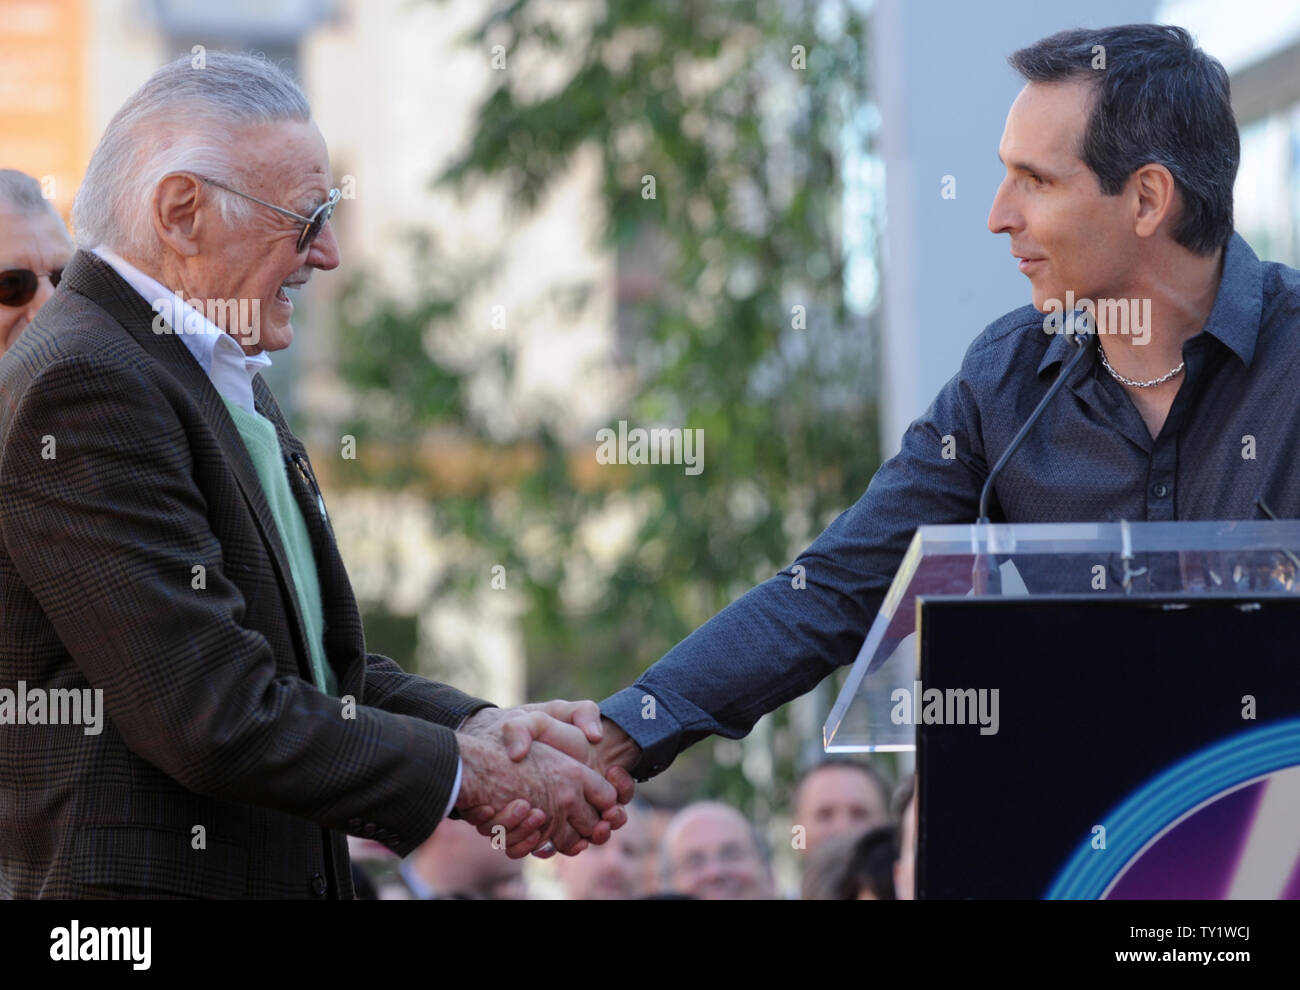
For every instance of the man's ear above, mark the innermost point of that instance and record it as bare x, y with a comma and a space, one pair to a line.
1157, 199
179, 209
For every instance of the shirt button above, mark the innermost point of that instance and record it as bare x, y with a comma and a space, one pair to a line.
1159, 490
318, 885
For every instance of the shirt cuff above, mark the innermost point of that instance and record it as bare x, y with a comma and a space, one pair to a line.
645, 718
455, 788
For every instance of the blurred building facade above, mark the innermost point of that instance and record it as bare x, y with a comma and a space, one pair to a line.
1258, 42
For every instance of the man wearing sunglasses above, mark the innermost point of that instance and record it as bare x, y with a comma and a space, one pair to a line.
163, 541
34, 247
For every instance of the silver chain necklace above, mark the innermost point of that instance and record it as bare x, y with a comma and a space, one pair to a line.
1136, 384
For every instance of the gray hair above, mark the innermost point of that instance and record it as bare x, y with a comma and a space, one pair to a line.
183, 119
21, 193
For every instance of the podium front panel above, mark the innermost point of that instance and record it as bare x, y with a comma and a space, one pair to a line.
1080, 747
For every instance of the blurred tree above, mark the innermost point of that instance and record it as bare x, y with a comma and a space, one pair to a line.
733, 319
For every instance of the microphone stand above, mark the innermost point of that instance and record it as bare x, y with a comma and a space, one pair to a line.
985, 577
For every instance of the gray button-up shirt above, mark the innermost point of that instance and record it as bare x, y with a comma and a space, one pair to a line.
1232, 436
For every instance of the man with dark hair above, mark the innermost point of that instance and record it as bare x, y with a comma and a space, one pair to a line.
1120, 155
1154, 97
839, 796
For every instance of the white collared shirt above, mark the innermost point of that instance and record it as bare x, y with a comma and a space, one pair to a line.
229, 369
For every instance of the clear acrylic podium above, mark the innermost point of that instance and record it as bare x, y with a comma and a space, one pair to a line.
1050, 560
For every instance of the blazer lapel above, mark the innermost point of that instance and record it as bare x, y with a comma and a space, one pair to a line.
344, 639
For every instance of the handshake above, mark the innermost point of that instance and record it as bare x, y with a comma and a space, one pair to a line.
545, 778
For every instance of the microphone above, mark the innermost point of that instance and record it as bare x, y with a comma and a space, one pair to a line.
984, 574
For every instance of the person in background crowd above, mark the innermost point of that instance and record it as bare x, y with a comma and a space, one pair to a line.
825, 868
34, 247
614, 871
902, 795
904, 884
839, 796
712, 852
657, 815
868, 874
456, 863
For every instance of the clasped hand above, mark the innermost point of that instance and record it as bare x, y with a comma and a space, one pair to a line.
544, 773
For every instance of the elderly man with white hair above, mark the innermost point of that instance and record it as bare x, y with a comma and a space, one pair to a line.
34, 247
186, 702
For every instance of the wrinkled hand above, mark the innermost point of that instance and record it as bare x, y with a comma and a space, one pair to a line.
551, 796
569, 732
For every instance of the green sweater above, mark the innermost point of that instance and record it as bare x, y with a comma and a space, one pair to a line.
264, 448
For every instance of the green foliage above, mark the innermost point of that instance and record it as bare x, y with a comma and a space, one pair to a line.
746, 152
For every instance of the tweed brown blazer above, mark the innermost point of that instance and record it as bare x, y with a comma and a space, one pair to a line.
221, 771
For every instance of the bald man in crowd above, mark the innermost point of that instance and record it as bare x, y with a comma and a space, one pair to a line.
711, 852
34, 247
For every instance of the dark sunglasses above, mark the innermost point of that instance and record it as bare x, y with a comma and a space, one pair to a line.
18, 285
313, 223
